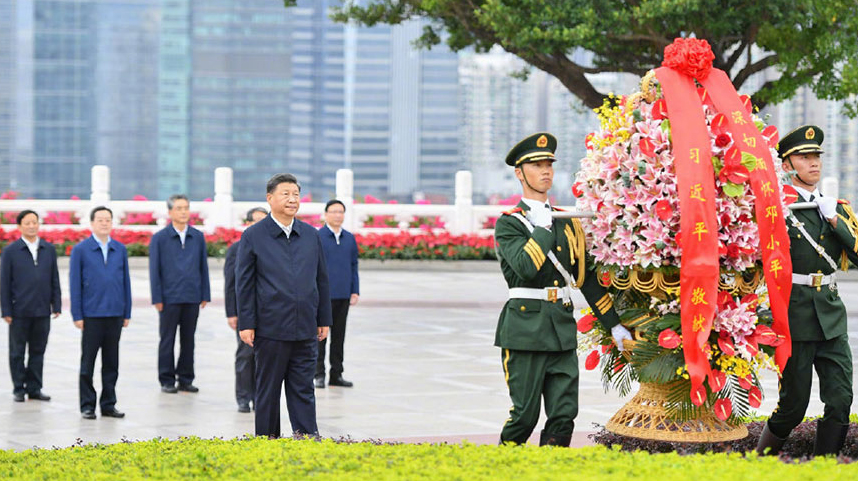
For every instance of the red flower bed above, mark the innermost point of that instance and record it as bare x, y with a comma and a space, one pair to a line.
400, 245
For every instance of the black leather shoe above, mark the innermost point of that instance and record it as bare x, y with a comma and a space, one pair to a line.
188, 388
39, 396
19, 397
830, 436
339, 381
548, 439
244, 408
769, 443
112, 413
319, 382
169, 389
88, 414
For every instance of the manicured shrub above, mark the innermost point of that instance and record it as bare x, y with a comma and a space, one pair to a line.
259, 458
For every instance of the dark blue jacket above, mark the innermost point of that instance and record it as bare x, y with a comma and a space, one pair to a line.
229, 281
282, 282
342, 262
99, 289
28, 289
177, 274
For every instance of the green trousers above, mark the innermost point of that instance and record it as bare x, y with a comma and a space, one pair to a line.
532, 376
833, 362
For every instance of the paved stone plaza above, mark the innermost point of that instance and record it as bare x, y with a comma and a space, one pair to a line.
418, 348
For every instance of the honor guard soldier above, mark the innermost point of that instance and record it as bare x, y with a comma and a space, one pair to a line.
820, 240
542, 259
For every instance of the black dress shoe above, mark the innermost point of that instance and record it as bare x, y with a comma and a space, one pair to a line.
169, 389
39, 396
112, 413
244, 408
319, 382
339, 381
19, 397
88, 414
188, 388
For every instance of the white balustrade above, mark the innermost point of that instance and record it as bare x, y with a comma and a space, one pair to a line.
461, 217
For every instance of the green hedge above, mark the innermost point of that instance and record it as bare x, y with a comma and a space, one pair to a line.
328, 460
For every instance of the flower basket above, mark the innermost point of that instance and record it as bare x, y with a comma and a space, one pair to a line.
647, 416
689, 236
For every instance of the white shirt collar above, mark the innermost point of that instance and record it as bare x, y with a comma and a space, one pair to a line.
536, 204
336, 234
805, 194
286, 228
182, 233
32, 245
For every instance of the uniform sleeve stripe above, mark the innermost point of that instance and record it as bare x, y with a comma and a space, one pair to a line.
537, 251
605, 303
533, 256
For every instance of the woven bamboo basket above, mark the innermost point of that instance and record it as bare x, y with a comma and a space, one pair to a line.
646, 417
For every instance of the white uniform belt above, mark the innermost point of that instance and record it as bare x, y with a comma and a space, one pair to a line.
813, 280
550, 294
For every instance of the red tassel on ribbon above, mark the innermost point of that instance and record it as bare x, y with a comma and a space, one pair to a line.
774, 242
700, 269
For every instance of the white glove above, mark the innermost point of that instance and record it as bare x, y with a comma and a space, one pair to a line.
540, 218
827, 206
619, 333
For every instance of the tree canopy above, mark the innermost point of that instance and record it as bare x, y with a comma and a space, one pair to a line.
809, 42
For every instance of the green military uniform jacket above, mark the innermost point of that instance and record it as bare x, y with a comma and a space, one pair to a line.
818, 313
536, 325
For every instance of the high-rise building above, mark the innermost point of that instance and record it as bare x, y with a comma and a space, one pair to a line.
224, 94
402, 112
55, 99
8, 22
497, 110
317, 103
500, 109
126, 94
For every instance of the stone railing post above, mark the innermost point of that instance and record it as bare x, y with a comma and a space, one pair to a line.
221, 214
463, 223
830, 187
346, 195
99, 193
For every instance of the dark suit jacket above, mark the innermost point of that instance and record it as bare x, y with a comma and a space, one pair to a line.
178, 274
27, 289
282, 282
96, 288
342, 262
229, 281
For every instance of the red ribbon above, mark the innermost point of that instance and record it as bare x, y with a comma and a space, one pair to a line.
774, 242
695, 177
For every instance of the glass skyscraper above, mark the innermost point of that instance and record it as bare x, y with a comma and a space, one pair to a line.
7, 90
224, 94
126, 92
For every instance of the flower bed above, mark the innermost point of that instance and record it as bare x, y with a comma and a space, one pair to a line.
401, 245
330, 460
799, 445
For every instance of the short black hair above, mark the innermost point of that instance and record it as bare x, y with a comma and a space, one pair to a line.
249, 216
97, 209
278, 179
25, 213
334, 201
173, 198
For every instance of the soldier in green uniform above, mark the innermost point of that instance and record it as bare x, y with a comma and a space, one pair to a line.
542, 259
820, 239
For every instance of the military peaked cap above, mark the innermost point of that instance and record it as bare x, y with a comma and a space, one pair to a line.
539, 146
